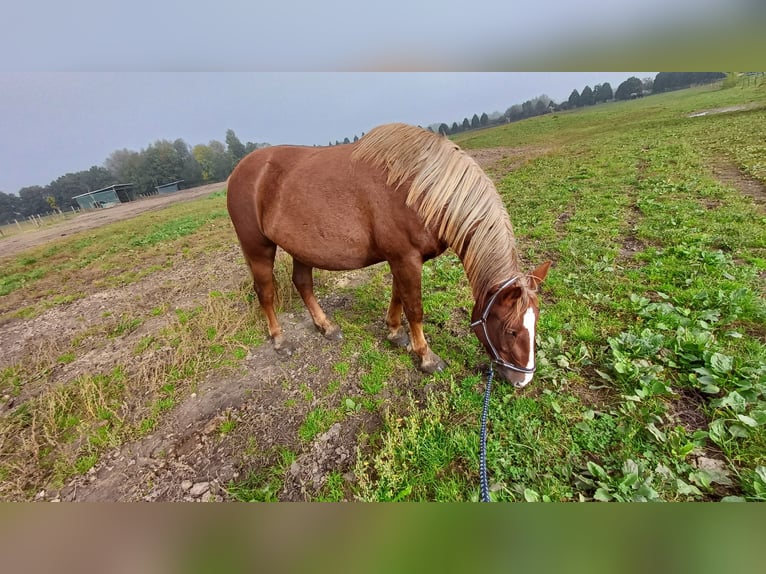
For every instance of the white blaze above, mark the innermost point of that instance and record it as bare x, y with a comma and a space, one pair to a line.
529, 325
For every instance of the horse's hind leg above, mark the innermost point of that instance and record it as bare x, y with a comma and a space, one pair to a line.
304, 283
262, 269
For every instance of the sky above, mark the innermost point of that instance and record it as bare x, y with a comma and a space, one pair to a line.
56, 123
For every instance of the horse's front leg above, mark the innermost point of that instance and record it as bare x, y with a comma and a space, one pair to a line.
407, 282
396, 332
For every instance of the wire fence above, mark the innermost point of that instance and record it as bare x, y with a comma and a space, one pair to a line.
37, 221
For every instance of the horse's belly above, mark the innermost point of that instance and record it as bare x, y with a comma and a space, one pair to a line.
331, 249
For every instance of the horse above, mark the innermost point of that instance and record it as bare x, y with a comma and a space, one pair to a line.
400, 194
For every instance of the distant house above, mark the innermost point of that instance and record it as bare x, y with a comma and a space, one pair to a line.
168, 187
106, 196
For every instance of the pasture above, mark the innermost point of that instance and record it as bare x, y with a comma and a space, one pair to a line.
134, 363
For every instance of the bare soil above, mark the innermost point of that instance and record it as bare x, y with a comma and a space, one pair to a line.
187, 457
729, 174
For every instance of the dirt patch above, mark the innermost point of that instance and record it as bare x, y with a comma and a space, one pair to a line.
724, 110
497, 162
98, 217
726, 172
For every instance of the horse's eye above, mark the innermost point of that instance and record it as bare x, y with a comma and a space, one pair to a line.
511, 332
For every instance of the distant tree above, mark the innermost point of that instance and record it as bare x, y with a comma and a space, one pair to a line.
163, 164
586, 97
630, 86
475, 121
466, 124
346, 140
32, 200
606, 92
10, 206
191, 172
234, 147
541, 107
444, 129
356, 138
665, 81
213, 160
602, 93
484, 119
455, 128
647, 84
528, 109
514, 113
574, 99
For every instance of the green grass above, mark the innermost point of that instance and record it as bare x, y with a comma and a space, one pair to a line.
651, 334
650, 342
119, 254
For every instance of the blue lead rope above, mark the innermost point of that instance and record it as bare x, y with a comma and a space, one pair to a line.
483, 440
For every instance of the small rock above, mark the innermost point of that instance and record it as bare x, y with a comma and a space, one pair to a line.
186, 485
207, 497
705, 463
199, 488
40, 495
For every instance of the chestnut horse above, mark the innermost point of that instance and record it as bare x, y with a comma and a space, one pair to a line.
400, 194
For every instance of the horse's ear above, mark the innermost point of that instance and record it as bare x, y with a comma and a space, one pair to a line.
538, 275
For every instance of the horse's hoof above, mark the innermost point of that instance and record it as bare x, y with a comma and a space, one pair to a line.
400, 339
333, 333
284, 349
435, 366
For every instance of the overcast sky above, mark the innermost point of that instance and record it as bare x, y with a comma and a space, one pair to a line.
52, 124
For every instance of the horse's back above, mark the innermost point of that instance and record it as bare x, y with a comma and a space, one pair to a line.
318, 205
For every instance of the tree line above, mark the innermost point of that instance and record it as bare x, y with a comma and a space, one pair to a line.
633, 87
165, 161
161, 162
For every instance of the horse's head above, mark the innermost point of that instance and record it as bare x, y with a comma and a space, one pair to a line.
504, 320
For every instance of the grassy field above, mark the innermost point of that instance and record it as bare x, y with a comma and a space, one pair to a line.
651, 380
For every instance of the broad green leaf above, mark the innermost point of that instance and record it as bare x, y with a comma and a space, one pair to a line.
759, 416
749, 421
602, 495
717, 431
687, 489
597, 471
531, 496
721, 363
629, 480
738, 431
702, 478
734, 401
656, 433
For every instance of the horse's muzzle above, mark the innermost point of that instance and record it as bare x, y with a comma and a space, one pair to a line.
517, 379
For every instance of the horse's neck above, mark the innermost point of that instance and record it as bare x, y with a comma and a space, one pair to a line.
486, 268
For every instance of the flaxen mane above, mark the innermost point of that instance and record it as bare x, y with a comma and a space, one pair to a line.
453, 196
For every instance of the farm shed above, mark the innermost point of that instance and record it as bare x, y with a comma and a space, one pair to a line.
168, 187
106, 196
